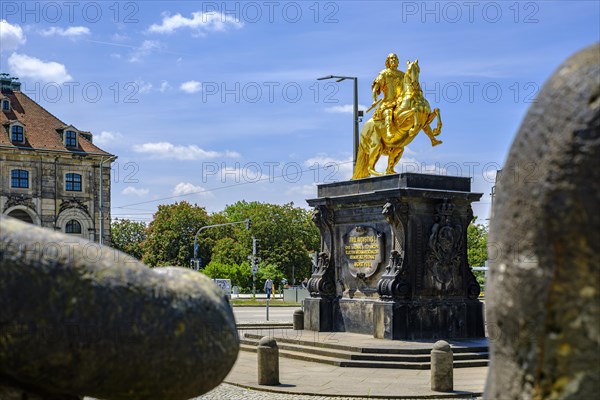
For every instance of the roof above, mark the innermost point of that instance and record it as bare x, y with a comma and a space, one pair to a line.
42, 129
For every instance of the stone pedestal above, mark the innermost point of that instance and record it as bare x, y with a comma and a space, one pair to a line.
318, 314
393, 260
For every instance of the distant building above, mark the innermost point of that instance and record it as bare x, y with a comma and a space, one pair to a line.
51, 173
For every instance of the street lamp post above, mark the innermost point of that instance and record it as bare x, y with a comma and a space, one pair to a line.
356, 113
195, 262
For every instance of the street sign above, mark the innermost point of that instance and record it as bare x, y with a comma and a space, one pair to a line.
195, 263
254, 270
224, 284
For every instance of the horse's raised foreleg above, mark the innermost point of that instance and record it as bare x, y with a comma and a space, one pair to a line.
433, 133
438, 128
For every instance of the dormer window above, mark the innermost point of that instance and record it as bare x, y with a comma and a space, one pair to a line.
5, 105
16, 134
70, 139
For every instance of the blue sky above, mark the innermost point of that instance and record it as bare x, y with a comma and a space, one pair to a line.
215, 102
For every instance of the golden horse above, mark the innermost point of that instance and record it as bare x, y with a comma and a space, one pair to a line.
412, 114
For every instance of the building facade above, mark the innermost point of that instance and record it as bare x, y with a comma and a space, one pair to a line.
51, 173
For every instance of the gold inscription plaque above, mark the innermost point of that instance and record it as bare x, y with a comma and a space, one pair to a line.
363, 248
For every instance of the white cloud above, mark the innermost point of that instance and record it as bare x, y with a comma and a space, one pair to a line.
104, 138
11, 36
143, 87
328, 169
201, 23
232, 154
71, 32
346, 108
304, 190
184, 188
130, 190
164, 86
166, 150
191, 87
147, 47
25, 66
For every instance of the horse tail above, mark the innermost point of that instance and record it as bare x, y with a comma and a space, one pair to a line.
361, 169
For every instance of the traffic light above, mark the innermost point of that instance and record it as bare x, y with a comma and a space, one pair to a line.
248, 224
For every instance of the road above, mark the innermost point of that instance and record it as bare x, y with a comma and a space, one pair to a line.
258, 314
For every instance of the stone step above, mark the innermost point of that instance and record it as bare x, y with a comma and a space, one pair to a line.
349, 356
264, 325
425, 350
304, 356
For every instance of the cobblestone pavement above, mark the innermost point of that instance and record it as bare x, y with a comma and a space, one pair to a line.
231, 392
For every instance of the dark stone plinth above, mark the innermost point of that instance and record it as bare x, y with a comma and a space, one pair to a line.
318, 314
352, 314
428, 319
393, 260
406, 180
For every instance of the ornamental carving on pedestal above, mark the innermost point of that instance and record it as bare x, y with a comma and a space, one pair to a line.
322, 281
443, 259
395, 283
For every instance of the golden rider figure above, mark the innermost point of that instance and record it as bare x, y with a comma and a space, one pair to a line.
389, 81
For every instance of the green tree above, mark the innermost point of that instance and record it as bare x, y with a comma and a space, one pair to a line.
128, 236
477, 237
240, 274
286, 235
170, 235
269, 271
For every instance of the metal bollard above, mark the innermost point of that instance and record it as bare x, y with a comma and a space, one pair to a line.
298, 320
442, 374
268, 361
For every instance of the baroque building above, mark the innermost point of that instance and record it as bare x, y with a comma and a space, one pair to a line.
51, 173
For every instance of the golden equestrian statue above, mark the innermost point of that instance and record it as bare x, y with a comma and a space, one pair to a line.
402, 112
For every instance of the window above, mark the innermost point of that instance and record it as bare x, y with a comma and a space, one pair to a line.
70, 139
73, 182
17, 133
73, 227
5, 105
19, 178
